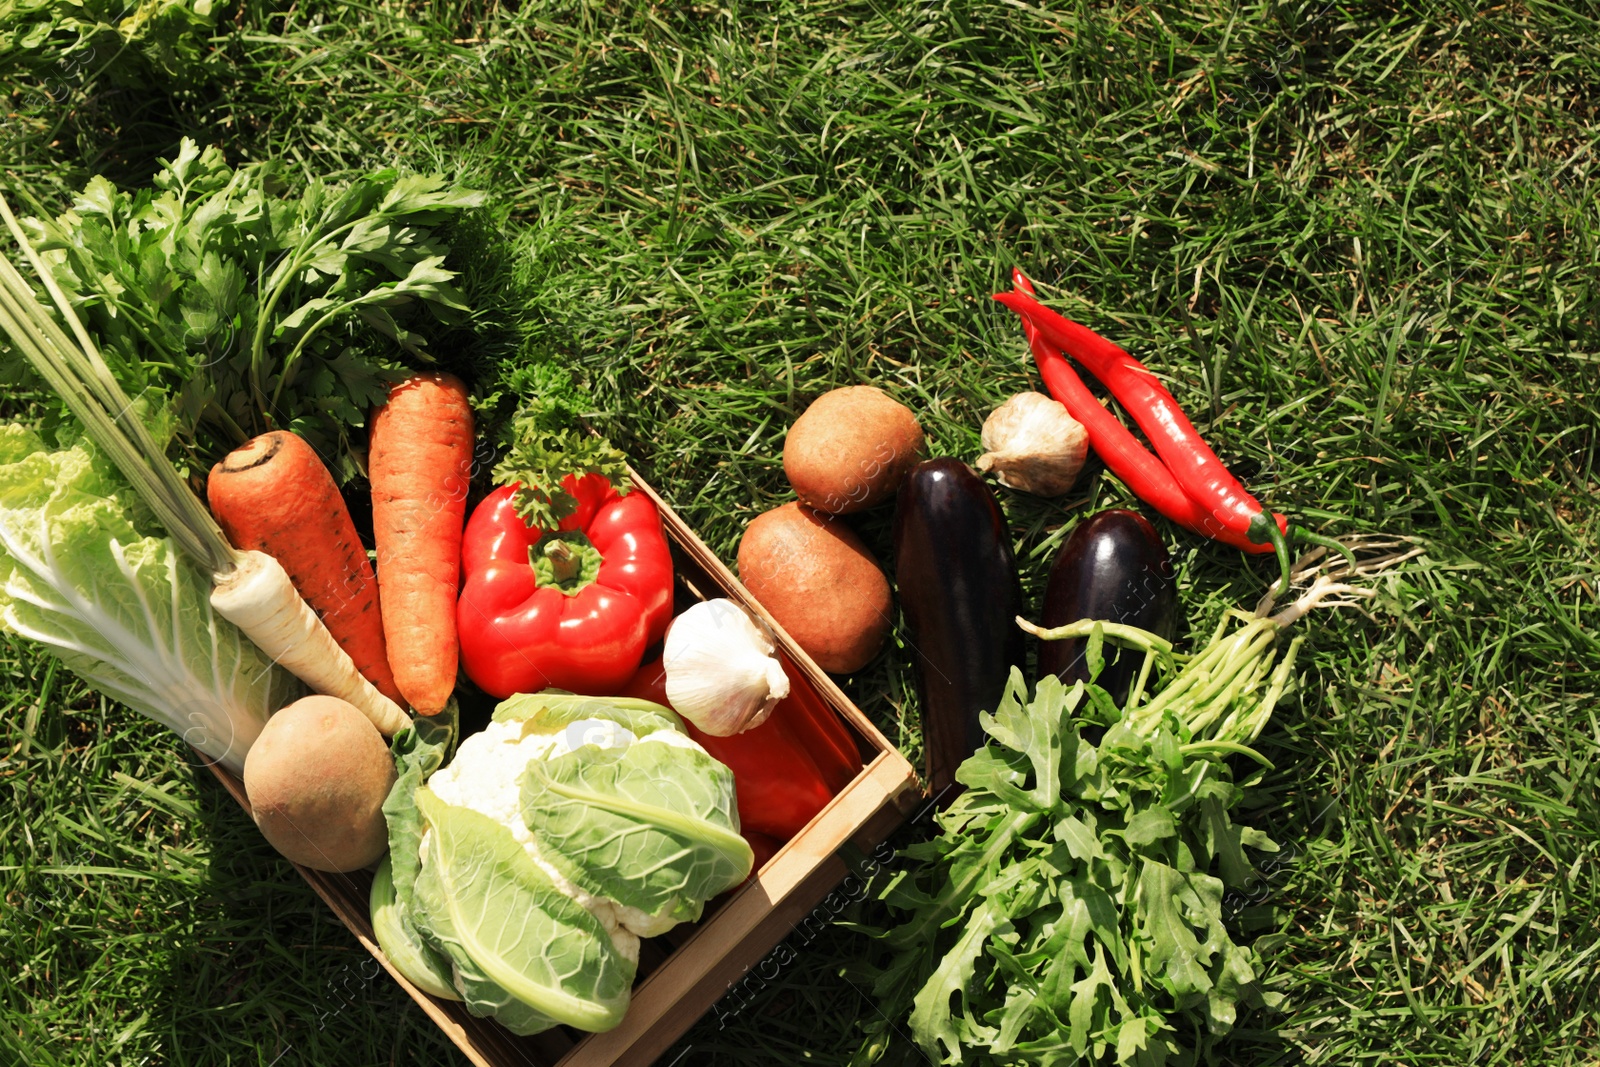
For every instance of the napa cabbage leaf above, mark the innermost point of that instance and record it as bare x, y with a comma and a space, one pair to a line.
84, 573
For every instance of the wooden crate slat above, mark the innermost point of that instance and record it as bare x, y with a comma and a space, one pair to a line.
670, 1001
723, 576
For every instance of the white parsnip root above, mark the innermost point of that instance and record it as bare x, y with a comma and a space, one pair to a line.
258, 597
251, 589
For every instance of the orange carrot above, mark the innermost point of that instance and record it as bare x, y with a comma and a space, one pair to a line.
274, 495
420, 463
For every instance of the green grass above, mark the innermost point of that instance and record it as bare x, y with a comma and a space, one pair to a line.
1359, 238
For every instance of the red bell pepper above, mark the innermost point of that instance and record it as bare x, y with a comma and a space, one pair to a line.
571, 609
764, 847
813, 723
778, 783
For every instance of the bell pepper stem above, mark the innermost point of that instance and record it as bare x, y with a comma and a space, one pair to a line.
1264, 530
563, 561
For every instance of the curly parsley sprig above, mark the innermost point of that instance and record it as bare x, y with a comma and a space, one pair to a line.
544, 449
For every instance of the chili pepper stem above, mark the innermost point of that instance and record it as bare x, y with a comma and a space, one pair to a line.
1264, 530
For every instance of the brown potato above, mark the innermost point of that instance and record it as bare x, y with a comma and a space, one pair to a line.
317, 778
850, 449
819, 581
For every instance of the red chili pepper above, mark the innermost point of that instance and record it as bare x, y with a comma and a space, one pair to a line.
574, 609
1216, 496
778, 783
1122, 453
764, 847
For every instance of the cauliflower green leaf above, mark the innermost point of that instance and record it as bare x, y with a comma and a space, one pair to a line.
523, 951
418, 750
651, 825
554, 709
397, 935
525, 869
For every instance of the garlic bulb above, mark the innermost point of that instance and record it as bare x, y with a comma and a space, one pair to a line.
1032, 444
721, 672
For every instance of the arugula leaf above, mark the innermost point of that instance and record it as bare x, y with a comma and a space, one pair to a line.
1036, 736
1166, 899
931, 1018
1067, 912
252, 309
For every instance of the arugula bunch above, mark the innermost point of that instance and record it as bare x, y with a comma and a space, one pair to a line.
1071, 909
255, 310
135, 43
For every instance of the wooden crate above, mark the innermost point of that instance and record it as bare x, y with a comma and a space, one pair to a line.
683, 974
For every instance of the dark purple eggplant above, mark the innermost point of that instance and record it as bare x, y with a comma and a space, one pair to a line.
1114, 568
961, 597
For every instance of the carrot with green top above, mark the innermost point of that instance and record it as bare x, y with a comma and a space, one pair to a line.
273, 494
420, 464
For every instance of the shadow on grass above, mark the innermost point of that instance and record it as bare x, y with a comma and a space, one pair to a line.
262, 944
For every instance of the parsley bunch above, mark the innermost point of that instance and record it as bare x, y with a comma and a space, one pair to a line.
1071, 909
134, 43
251, 309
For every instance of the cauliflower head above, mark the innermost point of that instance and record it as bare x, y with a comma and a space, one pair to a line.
528, 867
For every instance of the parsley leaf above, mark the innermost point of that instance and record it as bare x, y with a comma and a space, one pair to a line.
142, 44
546, 447
253, 309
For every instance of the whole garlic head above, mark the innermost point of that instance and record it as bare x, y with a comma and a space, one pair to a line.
1032, 444
721, 672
